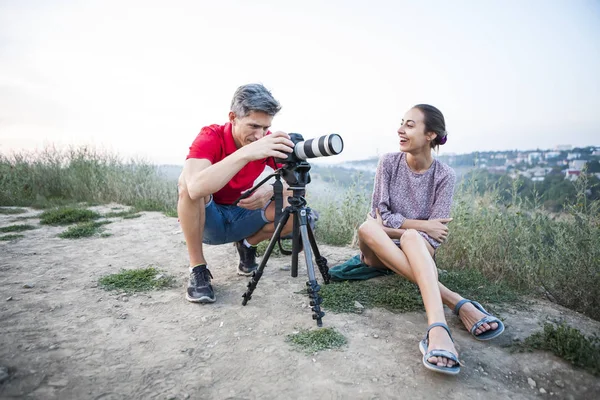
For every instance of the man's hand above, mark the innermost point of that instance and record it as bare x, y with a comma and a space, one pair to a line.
276, 145
258, 199
437, 229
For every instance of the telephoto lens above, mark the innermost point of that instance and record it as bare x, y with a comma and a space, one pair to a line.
328, 145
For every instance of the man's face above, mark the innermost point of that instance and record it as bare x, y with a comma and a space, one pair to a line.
250, 128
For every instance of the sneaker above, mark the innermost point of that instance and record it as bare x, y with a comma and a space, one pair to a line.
199, 289
247, 263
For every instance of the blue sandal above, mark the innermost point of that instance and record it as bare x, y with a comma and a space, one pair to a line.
423, 346
488, 319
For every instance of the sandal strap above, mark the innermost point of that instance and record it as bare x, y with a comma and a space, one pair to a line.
440, 324
442, 353
465, 301
485, 320
460, 304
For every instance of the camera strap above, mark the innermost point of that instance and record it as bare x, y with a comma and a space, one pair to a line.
278, 194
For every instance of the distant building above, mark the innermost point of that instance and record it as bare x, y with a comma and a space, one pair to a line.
573, 156
536, 173
572, 174
534, 157
563, 147
577, 165
551, 154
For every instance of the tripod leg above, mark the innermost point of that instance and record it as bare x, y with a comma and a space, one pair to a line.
321, 261
258, 273
296, 245
312, 285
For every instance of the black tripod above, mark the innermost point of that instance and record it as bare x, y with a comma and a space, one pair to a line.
303, 237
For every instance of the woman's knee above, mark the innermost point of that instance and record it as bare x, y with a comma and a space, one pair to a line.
367, 230
410, 236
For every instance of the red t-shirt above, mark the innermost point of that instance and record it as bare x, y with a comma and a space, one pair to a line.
214, 143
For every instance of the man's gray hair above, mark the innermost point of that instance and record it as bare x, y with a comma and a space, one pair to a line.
253, 97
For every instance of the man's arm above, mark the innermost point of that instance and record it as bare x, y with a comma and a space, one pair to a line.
203, 178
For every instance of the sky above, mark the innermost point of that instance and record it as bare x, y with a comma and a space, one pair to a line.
140, 78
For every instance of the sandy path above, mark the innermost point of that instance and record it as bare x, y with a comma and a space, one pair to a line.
65, 338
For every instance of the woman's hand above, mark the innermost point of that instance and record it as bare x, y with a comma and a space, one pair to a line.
437, 229
377, 217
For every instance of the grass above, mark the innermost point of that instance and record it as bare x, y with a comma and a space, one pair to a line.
67, 216
527, 247
8, 238
83, 229
136, 280
12, 211
16, 228
128, 214
132, 216
262, 248
568, 343
54, 177
398, 294
119, 214
341, 211
317, 340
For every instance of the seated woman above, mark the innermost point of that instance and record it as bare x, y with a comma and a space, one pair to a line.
412, 197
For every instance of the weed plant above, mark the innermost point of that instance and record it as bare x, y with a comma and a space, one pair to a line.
317, 340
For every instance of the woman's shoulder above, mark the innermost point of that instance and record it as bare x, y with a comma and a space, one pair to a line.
391, 157
444, 169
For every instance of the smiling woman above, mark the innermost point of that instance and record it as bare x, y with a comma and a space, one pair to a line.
412, 197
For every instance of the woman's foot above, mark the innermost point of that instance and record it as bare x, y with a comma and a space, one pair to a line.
470, 315
439, 339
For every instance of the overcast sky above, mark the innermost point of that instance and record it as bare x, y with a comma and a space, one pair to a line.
140, 78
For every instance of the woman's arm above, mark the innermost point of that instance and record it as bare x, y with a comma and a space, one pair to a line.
381, 193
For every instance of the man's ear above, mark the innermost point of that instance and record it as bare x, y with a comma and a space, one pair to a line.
231, 117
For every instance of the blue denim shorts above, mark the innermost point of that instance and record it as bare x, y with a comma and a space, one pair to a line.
228, 223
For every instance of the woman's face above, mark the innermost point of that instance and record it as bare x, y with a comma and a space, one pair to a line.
412, 132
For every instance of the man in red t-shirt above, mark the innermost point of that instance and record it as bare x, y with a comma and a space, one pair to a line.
223, 162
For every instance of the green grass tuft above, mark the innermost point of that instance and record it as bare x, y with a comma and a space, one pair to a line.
16, 228
7, 238
317, 340
67, 215
136, 280
568, 343
398, 294
132, 216
171, 212
84, 229
262, 247
119, 214
12, 211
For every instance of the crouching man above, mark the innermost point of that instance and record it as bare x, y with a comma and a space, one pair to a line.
223, 162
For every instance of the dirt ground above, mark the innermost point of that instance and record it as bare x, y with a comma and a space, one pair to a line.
66, 338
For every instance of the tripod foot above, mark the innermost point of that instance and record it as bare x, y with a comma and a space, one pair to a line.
316, 300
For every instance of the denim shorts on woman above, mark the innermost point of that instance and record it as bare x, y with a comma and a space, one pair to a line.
229, 223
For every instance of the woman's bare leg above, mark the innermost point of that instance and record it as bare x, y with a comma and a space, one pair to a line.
417, 263
469, 315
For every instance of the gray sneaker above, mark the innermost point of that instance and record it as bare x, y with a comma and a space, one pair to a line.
199, 289
248, 262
